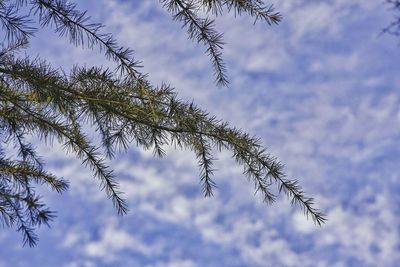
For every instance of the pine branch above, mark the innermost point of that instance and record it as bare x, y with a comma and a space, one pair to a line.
21, 170
246, 149
255, 8
192, 123
18, 203
202, 31
122, 106
75, 24
17, 27
74, 140
203, 153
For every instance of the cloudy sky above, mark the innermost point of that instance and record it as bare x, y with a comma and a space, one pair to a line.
320, 89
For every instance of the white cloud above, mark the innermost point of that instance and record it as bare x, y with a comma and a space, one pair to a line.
114, 240
301, 224
80, 264
176, 263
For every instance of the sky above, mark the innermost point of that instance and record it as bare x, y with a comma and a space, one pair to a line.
321, 91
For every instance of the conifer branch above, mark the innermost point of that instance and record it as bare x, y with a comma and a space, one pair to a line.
187, 123
202, 31
19, 205
75, 24
46, 124
16, 27
20, 170
255, 8
203, 153
121, 105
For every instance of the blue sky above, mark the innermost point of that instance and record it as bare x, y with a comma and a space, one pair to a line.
320, 90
